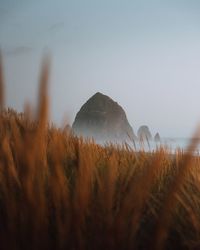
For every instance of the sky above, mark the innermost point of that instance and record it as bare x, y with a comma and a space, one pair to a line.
144, 54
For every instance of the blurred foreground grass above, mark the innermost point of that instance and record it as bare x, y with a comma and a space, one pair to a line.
58, 191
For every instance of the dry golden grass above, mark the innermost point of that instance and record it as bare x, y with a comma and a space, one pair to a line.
58, 191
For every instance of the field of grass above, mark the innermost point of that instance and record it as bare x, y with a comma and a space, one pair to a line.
58, 191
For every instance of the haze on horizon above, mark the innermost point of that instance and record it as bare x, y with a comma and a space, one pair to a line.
143, 54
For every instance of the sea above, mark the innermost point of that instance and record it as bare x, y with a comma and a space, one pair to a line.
170, 144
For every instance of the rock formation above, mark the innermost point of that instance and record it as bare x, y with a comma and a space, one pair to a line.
144, 133
157, 137
103, 119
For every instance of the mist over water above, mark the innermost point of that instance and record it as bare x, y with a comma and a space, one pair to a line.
171, 144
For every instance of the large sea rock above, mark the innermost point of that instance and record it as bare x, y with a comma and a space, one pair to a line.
104, 120
144, 133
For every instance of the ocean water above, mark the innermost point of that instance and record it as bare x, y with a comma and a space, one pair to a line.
171, 144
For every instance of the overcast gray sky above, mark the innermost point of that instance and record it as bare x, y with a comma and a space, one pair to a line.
145, 54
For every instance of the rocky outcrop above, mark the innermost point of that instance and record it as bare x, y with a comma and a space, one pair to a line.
144, 133
157, 137
103, 119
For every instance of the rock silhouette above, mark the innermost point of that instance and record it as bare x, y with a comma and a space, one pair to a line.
157, 137
103, 119
144, 133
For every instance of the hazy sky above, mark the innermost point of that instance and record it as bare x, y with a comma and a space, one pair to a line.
144, 54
